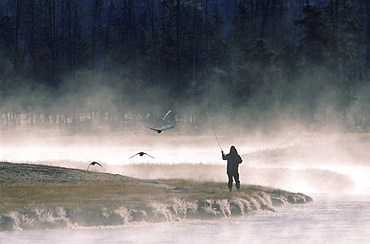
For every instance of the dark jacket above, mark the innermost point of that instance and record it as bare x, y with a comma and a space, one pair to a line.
233, 161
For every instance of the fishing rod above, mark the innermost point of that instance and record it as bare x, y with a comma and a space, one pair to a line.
214, 132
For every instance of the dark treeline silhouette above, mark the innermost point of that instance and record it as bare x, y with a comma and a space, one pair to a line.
75, 62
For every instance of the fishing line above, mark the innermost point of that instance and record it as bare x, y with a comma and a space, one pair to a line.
214, 132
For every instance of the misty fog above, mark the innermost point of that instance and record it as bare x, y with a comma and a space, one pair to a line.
87, 124
294, 160
295, 106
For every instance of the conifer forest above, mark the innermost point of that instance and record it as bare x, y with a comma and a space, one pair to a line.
258, 63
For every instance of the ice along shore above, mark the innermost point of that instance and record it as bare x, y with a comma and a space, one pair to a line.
36, 196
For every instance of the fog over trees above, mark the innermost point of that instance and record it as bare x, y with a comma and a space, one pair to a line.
108, 63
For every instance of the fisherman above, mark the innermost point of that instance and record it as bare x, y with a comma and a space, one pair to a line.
233, 161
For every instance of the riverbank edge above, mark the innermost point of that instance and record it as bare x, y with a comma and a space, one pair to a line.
177, 200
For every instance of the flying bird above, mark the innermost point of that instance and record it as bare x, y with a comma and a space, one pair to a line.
160, 130
93, 163
141, 154
165, 126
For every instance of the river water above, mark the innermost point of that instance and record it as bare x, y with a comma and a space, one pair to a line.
329, 219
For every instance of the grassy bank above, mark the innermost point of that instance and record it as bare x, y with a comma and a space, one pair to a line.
79, 197
30, 186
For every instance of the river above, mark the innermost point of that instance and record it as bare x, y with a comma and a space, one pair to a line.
339, 217
329, 219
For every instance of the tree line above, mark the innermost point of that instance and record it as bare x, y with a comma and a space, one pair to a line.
255, 61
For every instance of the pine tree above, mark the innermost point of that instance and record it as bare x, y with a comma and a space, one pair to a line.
7, 47
314, 36
241, 36
217, 45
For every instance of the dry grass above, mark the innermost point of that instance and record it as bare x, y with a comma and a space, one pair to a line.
81, 196
29, 187
26, 186
204, 190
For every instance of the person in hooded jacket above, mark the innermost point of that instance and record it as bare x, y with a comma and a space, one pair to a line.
233, 161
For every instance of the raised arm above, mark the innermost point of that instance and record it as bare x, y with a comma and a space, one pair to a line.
223, 155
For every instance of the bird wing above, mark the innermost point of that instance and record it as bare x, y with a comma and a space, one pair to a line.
170, 127
133, 156
93, 163
153, 129
149, 155
165, 116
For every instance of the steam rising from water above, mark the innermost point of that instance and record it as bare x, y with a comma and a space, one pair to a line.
278, 151
306, 163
